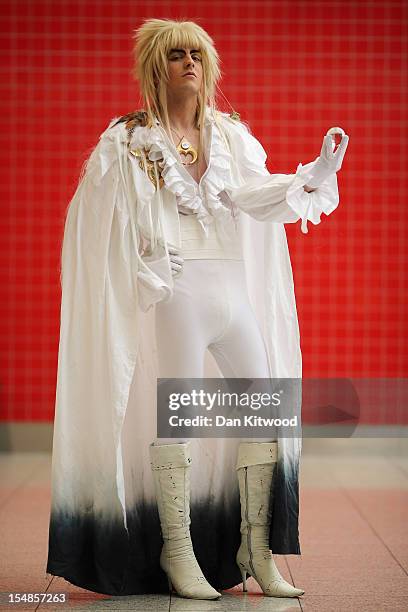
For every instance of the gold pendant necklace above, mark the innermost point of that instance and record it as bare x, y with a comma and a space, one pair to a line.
185, 148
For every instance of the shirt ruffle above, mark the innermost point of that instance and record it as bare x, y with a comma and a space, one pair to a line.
201, 199
310, 205
218, 176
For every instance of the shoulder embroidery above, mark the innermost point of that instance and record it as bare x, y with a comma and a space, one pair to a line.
139, 118
133, 120
147, 165
236, 116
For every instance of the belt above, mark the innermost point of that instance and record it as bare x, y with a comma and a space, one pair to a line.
196, 245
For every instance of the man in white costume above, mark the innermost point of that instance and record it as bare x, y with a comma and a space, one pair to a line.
174, 243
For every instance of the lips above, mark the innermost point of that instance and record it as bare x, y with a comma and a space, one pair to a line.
189, 74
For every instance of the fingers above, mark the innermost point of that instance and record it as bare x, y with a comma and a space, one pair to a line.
344, 142
341, 150
177, 259
329, 155
328, 144
176, 268
332, 132
336, 130
173, 250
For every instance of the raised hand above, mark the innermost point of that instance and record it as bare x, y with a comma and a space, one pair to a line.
329, 161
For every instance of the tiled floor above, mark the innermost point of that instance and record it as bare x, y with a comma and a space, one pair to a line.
353, 527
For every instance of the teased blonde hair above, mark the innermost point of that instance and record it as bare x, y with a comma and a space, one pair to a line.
154, 39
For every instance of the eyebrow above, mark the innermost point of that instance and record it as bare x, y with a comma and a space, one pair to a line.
182, 51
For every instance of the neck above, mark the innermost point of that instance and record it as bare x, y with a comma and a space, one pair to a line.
182, 111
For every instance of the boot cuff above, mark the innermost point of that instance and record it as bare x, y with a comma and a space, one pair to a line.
167, 456
254, 453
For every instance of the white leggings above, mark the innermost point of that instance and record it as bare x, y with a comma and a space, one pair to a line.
210, 309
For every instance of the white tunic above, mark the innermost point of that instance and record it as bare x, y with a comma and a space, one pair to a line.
103, 501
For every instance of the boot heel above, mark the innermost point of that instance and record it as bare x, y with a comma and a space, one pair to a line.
170, 585
243, 576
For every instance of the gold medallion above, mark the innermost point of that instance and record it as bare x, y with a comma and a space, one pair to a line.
185, 148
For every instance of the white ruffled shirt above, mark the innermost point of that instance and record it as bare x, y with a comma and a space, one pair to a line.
264, 196
236, 180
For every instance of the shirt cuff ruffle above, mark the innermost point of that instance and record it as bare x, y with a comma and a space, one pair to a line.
310, 205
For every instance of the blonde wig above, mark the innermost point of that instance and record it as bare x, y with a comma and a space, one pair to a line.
154, 39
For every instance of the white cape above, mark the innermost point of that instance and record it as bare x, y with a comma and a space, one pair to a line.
104, 528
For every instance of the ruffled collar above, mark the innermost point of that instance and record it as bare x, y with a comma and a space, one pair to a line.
202, 198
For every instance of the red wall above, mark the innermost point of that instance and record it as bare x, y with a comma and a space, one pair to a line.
292, 69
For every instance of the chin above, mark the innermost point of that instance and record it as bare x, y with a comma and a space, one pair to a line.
194, 89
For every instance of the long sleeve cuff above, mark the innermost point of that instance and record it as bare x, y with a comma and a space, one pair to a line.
310, 205
281, 198
154, 279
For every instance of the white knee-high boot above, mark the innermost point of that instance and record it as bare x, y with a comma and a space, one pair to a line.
171, 466
256, 463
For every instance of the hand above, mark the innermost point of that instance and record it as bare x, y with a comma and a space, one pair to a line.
329, 162
176, 262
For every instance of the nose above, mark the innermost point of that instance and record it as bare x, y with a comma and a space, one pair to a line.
189, 62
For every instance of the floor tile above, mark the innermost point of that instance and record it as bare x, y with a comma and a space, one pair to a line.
353, 536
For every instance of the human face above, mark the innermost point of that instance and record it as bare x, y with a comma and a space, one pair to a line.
180, 63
